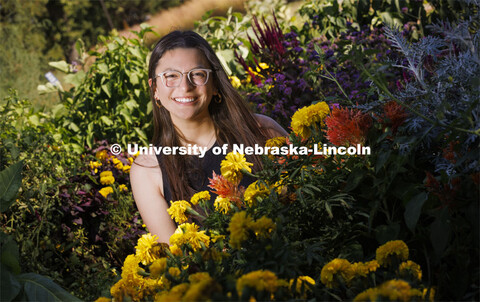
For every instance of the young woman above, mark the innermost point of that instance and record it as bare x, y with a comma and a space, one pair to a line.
193, 103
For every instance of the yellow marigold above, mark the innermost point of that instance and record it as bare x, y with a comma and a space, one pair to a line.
107, 180
94, 165
360, 269
309, 116
263, 226
117, 290
261, 280
235, 81
102, 155
147, 248
276, 141
174, 294
410, 268
130, 271
105, 191
222, 204
303, 282
122, 188
157, 268
103, 299
238, 228
178, 209
392, 249
255, 190
233, 165
106, 174
203, 195
174, 271
175, 250
201, 288
126, 168
397, 290
117, 163
367, 295
130, 160
335, 269
188, 233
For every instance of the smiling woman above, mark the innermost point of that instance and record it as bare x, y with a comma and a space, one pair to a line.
194, 104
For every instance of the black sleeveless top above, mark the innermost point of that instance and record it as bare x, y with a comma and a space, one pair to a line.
199, 174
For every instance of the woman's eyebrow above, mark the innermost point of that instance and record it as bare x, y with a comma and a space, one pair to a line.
173, 69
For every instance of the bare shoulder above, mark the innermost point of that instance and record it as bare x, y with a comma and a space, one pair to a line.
146, 161
146, 171
272, 127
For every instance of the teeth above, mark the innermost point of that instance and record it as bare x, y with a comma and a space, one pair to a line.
184, 100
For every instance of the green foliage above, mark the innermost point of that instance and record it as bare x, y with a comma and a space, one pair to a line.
111, 100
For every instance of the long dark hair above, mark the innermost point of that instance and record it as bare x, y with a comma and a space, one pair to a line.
233, 120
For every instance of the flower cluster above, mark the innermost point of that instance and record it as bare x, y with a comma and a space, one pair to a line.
308, 117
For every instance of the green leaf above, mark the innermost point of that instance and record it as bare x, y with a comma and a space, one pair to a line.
10, 286
10, 182
34, 119
9, 254
103, 68
413, 209
40, 288
106, 120
106, 88
354, 179
60, 65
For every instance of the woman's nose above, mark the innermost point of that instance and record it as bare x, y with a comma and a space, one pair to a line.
185, 83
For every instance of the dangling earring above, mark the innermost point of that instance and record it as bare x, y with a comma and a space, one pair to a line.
159, 105
218, 98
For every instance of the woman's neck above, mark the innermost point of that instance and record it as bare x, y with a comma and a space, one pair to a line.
199, 132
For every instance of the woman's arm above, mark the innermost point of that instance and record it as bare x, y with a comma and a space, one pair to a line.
272, 127
147, 188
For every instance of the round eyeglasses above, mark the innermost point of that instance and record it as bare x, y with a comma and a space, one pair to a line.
173, 78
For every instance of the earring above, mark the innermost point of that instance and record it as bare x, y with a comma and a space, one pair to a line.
159, 105
218, 98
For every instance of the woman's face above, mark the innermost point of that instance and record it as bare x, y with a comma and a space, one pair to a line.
187, 101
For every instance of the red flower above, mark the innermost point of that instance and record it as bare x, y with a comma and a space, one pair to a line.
223, 188
394, 115
347, 127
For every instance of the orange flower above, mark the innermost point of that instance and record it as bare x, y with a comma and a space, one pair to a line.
347, 127
394, 115
221, 186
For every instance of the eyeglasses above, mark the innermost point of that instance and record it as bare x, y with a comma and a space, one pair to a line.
173, 78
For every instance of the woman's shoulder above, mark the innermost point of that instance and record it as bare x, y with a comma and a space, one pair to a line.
270, 125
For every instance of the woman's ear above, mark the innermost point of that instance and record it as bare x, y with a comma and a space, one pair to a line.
150, 83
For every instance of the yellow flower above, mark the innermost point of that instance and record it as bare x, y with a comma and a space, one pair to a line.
178, 209
261, 280
122, 187
107, 180
130, 160
202, 286
222, 204
174, 294
263, 65
103, 299
309, 116
106, 174
238, 228
305, 282
254, 191
102, 155
235, 81
232, 166
94, 165
263, 226
105, 191
175, 250
360, 269
126, 169
276, 141
117, 290
431, 294
392, 249
157, 268
147, 248
130, 270
117, 163
203, 195
410, 268
174, 271
367, 295
334, 269
188, 233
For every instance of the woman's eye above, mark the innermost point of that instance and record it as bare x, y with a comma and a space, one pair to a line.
171, 76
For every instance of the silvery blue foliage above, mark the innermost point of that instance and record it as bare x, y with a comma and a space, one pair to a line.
445, 88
